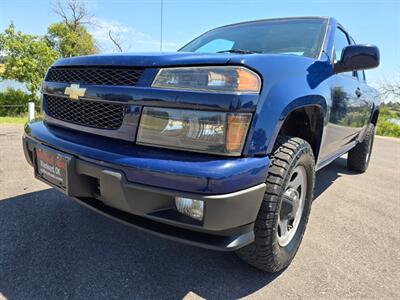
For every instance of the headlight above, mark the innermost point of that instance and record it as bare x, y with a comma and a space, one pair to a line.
199, 131
213, 79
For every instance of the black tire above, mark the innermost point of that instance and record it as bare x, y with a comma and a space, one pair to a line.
358, 158
265, 252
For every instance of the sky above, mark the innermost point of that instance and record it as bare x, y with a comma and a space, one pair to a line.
137, 22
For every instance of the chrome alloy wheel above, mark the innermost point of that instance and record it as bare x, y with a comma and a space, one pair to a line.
292, 206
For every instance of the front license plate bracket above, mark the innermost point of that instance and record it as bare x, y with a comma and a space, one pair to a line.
51, 166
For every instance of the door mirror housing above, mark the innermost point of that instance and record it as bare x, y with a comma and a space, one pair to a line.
357, 57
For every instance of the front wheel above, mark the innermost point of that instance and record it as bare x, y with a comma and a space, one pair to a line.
285, 209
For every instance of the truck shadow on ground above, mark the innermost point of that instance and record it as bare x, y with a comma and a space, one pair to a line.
328, 175
51, 247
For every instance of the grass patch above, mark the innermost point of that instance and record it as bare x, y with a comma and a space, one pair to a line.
2, 68
13, 120
386, 128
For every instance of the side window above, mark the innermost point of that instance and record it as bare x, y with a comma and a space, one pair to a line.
341, 41
360, 75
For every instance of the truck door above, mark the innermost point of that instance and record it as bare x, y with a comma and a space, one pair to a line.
365, 97
347, 115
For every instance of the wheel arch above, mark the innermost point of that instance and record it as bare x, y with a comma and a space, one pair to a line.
305, 121
375, 116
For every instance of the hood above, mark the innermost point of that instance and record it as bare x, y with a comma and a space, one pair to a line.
162, 59
156, 59
268, 65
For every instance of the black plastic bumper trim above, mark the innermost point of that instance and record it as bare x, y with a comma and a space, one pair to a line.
200, 239
229, 218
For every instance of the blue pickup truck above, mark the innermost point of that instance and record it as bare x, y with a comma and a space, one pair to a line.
216, 145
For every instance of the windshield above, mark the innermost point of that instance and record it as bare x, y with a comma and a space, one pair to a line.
281, 36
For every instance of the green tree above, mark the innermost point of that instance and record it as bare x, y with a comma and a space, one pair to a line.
11, 97
69, 40
70, 36
27, 58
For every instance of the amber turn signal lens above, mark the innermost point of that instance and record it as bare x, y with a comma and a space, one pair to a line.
237, 130
248, 81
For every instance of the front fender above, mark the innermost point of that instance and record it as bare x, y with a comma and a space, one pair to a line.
282, 96
312, 100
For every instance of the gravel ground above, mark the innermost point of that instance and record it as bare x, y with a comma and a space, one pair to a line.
51, 247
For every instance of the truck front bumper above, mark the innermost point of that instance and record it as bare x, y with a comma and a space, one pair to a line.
228, 217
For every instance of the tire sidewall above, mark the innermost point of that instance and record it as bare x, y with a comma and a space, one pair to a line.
285, 254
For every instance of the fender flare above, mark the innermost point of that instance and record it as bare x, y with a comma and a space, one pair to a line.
305, 101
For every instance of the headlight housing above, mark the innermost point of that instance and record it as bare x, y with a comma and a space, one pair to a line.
223, 79
199, 131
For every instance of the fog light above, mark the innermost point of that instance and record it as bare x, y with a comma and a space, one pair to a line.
190, 207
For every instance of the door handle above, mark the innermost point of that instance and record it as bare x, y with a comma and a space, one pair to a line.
358, 92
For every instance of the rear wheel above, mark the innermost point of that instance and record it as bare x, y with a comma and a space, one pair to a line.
285, 209
358, 158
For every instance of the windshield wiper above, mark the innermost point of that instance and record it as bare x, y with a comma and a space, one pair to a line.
239, 51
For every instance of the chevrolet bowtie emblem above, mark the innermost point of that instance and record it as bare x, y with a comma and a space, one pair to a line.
74, 91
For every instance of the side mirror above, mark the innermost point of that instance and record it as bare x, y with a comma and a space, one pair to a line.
357, 57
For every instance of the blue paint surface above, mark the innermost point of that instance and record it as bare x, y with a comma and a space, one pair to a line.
289, 82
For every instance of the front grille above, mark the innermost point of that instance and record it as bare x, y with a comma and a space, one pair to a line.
95, 114
95, 75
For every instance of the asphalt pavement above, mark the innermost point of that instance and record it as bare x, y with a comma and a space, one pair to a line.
53, 248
